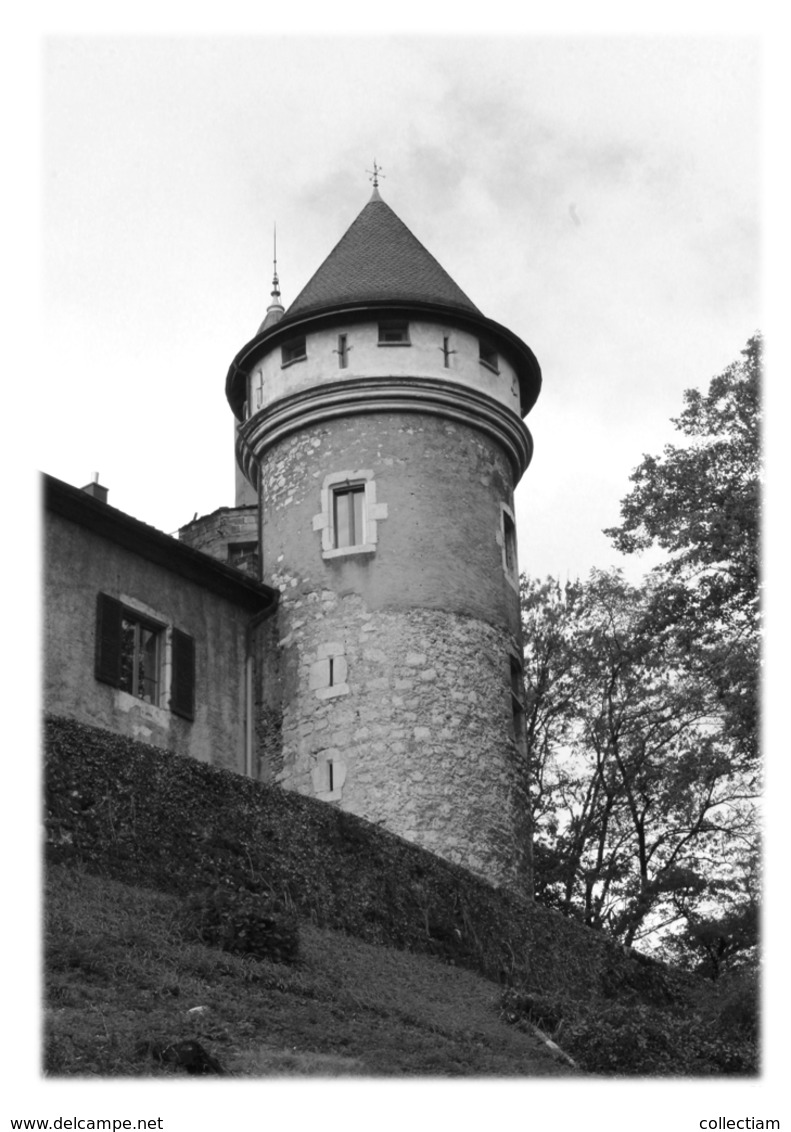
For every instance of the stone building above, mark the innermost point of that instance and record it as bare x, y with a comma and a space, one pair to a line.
379, 424
145, 636
379, 437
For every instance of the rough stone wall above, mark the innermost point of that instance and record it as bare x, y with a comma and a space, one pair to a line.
440, 545
228, 525
422, 741
394, 669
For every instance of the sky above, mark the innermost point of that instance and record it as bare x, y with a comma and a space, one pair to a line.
599, 196
600, 185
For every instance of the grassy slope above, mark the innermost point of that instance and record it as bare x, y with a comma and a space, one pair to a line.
120, 972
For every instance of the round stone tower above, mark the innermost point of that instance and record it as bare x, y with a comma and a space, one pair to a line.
380, 423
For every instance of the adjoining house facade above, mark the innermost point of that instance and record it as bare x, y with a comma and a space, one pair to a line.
145, 636
379, 439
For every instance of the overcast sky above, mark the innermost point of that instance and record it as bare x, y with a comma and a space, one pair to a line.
598, 196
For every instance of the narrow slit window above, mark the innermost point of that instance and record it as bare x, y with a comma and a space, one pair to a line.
348, 518
330, 776
517, 699
509, 546
332, 671
446, 350
343, 351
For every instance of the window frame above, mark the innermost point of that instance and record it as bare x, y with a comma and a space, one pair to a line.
241, 554
506, 540
130, 683
175, 656
293, 350
354, 521
488, 356
392, 326
346, 482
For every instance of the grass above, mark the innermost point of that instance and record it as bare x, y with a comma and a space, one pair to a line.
121, 971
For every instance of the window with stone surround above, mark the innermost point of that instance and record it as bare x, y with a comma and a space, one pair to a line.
350, 514
329, 775
329, 671
506, 539
141, 655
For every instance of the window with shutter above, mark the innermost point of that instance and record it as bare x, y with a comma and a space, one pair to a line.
132, 655
182, 692
109, 614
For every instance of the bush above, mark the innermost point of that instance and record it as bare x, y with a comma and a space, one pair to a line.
638, 1039
148, 818
244, 922
544, 1011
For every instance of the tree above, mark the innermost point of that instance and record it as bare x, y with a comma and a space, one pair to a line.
634, 795
642, 701
700, 502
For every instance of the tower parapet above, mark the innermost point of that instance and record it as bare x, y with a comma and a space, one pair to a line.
380, 422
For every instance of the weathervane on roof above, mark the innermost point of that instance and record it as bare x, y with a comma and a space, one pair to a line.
275, 280
375, 174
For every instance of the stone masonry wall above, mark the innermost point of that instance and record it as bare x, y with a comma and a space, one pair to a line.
440, 546
227, 525
391, 682
419, 734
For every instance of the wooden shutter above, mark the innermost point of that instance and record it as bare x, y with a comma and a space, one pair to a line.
108, 640
182, 689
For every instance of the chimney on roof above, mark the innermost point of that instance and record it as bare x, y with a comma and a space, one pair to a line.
95, 489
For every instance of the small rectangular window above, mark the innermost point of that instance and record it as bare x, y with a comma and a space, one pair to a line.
487, 356
243, 556
294, 350
394, 333
348, 515
343, 351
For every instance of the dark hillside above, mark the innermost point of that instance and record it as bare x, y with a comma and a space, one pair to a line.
130, 812
125, 980
226, 846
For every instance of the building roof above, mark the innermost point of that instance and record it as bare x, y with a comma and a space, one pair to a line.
116, 526
378, 268
378, 259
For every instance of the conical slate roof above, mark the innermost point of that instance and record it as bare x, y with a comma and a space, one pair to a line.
378, 259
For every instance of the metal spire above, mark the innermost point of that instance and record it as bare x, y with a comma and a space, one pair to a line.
275, 310
374, 175
275, 280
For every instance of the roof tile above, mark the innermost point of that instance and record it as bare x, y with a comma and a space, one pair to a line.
378, 259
